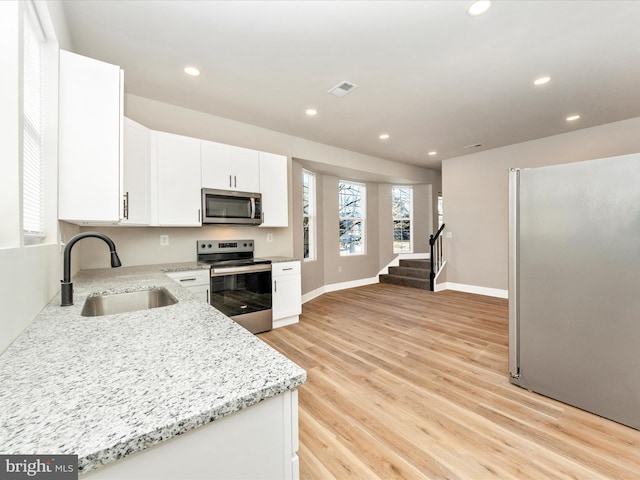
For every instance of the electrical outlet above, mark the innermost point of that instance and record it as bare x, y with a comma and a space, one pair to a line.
339, 269
164, 240
448, 235
269, 237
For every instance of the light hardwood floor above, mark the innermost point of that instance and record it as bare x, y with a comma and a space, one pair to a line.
405, 383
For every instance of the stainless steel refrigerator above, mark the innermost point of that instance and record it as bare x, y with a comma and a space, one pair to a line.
574, 284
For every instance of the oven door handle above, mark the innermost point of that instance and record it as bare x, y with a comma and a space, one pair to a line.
218, 272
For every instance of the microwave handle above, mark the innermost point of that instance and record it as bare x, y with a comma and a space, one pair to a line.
253, 208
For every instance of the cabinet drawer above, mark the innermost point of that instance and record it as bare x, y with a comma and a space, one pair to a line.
285, 268
191, 278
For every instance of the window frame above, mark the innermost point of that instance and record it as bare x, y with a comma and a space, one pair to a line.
361, 219
35, 17
33, 230
395, 219
310, 251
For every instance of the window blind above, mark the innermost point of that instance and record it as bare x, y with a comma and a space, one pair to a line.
32, 165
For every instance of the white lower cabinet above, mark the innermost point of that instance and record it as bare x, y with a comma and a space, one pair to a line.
196, 281
260, 441
286, 293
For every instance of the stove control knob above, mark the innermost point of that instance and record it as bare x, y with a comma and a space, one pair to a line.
209, 246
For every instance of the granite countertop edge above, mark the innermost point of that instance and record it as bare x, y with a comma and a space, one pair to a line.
97, 459
220, 368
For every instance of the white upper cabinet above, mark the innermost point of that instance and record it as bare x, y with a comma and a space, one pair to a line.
274, 189
226, 167
176, 161
136, 174
90, 132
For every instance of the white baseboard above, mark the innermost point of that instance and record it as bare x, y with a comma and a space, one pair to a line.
461, 287
338, 286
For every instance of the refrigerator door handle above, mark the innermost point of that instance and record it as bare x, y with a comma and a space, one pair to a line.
514, 317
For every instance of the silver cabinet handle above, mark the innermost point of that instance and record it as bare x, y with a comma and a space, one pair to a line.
125, 206
230, 185
188, 279
275, 285
285, 269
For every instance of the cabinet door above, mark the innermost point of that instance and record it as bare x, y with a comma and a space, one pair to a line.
178, 180
286, 296
90, 123
136, 175
201, 291
245, 164
274, 189
227, 167
216, 165
286, 290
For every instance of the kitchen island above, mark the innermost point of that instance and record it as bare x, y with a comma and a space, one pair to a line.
106, 387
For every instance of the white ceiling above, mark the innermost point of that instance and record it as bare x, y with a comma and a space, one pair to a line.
430, 75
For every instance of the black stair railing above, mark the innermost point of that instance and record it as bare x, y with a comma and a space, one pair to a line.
437, 256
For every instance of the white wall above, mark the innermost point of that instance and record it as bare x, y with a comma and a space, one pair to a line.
30, 275
9, 124
475, 193
141, 245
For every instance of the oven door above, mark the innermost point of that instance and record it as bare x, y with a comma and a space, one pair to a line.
244, 294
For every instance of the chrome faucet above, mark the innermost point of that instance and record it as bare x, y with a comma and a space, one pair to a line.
66, 291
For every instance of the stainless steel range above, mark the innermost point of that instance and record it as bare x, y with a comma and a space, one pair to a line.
240, 283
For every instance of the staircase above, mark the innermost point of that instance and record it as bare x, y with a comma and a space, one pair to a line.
411, 273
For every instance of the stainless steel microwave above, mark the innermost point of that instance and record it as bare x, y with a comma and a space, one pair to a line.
231, 207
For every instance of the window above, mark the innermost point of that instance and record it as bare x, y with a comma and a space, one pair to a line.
352, 213
32, 163
309, 214
402, 211
440, 211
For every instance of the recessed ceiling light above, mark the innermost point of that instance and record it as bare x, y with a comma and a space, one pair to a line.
311, 112
192, 71
478, 7
384, 136
573, 118
432, 153
542, 80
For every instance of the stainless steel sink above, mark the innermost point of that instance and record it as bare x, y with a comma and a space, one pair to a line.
98, 305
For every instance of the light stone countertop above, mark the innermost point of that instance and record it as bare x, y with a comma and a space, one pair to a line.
281, 259
104, 387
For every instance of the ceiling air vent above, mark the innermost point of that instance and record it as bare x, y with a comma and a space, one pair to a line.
343, 88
